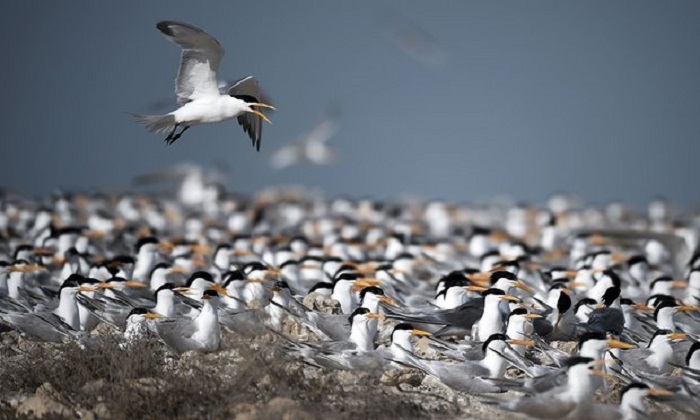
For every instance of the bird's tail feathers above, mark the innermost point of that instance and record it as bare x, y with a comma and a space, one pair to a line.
156, 123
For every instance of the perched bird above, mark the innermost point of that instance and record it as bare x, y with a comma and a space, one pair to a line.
200, 333
197, 89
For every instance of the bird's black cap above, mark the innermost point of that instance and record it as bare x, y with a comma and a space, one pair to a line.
493, 337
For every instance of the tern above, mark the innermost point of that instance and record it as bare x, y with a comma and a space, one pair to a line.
311, 147
201, 333
197, 89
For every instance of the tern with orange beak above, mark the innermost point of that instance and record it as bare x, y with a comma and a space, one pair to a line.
197, 89
202, 333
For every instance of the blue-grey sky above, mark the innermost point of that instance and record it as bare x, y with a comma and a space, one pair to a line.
598, 98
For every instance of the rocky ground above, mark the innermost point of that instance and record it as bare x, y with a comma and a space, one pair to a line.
250, 378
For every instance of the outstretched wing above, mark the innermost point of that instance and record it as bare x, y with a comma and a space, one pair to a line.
248, 88
201, 56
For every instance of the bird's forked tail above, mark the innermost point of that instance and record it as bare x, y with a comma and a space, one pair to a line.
156, 123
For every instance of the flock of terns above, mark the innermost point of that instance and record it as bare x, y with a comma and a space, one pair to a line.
478, 297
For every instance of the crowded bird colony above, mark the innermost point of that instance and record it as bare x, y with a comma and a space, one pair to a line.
551, 306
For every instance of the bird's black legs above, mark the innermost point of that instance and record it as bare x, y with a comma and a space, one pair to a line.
172, 136
170, 139
177, 136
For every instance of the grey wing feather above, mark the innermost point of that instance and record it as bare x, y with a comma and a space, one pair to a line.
176, 333
201, 56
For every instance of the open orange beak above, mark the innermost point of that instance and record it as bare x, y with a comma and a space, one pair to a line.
151, 315
261, 115
510, 298
373, 316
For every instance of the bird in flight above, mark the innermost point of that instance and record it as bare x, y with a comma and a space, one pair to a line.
312, 147
198, 91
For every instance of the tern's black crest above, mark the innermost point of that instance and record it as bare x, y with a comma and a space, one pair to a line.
235, 275
454, 279
166, 286
493, 291
75, 280
138, 311
493, 337
322, 285
372, 289
695, 347
200, 275
403, 326
626, 301
637, 259
662, 305
517, 311
658, 333
498, 275
577, 360
144, 241
346, 276
208, 294
635, 385
254, 266
358, 311
592, 335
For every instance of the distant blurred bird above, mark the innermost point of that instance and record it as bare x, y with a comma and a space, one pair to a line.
195, 181
198, 92
415, 42
311, 147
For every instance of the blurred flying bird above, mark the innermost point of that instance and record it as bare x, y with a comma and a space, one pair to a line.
311, 147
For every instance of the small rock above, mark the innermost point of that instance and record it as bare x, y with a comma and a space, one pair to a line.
93, 386
43, 404
318, 302
286, 409
395, 377
101, 411
245, 411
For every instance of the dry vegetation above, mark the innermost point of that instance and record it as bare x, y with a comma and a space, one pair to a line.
249, 378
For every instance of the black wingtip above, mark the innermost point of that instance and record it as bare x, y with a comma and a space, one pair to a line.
164, 27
